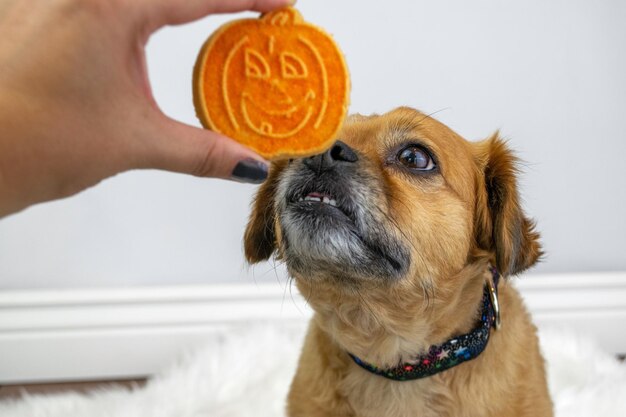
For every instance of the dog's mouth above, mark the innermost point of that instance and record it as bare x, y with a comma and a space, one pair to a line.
324, 198
315, 197
333, 223
324, 202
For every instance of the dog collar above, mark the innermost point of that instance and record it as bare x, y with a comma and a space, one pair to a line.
453, 352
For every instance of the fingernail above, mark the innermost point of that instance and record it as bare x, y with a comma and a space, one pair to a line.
250, 171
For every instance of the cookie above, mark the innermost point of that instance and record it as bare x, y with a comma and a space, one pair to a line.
276, 84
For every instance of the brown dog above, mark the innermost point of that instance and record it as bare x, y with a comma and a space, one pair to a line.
390, 236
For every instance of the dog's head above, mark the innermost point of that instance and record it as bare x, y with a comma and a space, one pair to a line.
399, 200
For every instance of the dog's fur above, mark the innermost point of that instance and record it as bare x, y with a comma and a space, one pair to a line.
403, 269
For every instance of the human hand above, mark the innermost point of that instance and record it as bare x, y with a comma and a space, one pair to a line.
76, 105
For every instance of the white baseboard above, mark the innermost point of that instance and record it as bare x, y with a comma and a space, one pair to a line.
590, 303
60, 335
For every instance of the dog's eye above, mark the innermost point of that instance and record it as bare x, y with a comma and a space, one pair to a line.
416, 158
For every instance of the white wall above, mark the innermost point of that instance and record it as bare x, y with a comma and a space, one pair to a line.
549, 74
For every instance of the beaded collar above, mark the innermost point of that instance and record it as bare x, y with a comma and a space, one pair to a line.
453, 352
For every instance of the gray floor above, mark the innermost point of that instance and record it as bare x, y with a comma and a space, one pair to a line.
13, 391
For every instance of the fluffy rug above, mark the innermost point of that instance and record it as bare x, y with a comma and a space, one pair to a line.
246, 372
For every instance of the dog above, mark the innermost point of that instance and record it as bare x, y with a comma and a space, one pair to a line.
397, 237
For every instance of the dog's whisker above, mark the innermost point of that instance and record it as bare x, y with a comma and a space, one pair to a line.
407, 239
272, 269
432, 114
405, 125
429, 292
290, 281
367, 307
282, 304
308, 297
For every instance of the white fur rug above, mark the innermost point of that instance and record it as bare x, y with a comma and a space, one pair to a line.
247, 371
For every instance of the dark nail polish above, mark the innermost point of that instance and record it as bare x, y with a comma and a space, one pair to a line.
250, 171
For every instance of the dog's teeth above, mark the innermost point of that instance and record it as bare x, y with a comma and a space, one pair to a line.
333, 203
309, 198
326, 200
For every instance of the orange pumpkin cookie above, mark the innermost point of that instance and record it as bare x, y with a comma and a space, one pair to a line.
276, 84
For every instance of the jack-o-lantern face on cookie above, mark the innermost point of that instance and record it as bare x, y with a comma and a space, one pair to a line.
278, 99
276, 84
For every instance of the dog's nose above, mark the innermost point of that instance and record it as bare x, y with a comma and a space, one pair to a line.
339, 153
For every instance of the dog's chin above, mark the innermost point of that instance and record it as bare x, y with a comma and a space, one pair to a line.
324, 241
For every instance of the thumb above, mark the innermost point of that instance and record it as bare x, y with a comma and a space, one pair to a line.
182, 148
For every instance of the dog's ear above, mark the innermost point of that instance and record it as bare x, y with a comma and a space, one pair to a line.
260, 236
501, 226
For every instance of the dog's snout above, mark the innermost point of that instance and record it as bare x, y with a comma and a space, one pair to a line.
339, 153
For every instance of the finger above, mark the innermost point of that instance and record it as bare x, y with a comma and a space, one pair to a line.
175, 12
187, 149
